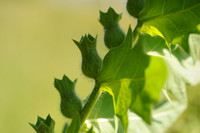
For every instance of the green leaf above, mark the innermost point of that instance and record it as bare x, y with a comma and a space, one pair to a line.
103, 111
155, 76
103, 108
91, 62
186, 67
173, 20
44, 125
173, 97
128, 74
113, 36
70, 103
111, 75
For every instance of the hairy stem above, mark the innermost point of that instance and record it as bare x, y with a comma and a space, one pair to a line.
90, 103
136, 31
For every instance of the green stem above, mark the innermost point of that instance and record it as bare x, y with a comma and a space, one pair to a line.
90, 103
136, 31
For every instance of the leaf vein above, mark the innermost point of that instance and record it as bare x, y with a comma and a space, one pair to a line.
149, 19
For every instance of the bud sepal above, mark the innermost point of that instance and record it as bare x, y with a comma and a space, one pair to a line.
44, 125
91, 62
70, 103
114, 36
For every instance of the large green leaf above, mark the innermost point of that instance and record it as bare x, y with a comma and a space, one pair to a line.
173, 20
173, 98
103, 108
133, 79
186, 66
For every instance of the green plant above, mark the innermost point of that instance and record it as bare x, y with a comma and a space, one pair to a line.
142, 78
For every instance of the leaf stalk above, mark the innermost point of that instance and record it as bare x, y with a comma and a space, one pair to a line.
90, 103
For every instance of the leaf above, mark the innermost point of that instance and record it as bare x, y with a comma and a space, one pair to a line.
123, 76
115, 65
102, 111
173, 98
184, 65
155, 76
44, 125
70, 102
173, 20
103, 108
194, 46
181, 71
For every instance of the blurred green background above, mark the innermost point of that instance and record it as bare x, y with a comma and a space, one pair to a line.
36, 46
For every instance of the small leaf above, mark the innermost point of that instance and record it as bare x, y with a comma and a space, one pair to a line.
91, 62
124, 75
70, 103
113, 36
44, 126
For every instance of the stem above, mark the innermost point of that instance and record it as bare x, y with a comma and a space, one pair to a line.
136, 31
90, 103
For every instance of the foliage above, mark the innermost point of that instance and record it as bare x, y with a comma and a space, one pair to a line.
140, 85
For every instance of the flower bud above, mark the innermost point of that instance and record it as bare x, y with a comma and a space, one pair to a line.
44, 125
134, 7
113, 36
70, 103
91, 62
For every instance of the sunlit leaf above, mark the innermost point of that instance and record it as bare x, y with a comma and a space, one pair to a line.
173, 98
133, 79
173, 20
